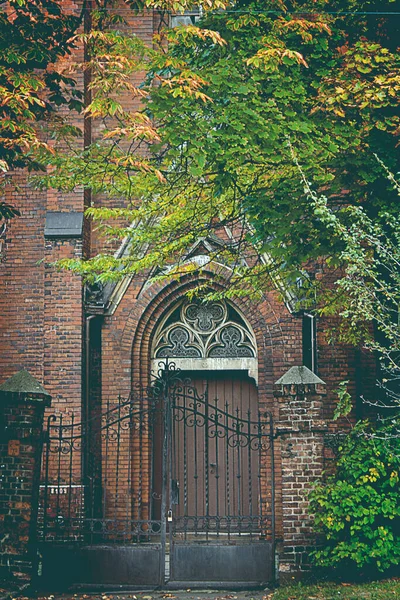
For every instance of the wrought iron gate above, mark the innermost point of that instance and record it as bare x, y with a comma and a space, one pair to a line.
166, 486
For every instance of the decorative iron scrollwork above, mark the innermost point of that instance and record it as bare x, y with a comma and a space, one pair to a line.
105, 478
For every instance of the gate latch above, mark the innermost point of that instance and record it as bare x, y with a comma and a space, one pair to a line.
169, 516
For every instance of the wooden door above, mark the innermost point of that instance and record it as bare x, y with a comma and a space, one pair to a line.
215, 467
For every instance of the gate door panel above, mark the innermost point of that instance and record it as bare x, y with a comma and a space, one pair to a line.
228, 564
221, 488
95, 506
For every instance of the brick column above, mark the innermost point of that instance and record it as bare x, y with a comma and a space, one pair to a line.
300, 432
22, 404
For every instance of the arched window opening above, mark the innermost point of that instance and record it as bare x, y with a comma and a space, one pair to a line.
206, 336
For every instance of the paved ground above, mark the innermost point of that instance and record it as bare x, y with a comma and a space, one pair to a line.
8, 592
378, 590
162, 595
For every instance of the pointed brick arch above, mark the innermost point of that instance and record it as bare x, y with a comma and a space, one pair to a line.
264, 317
129, 331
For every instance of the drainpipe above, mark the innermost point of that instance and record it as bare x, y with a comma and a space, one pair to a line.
313, 336
87, 390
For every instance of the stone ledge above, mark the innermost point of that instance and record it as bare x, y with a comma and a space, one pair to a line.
318, 426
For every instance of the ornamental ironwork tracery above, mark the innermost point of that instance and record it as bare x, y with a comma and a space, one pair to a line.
204, 330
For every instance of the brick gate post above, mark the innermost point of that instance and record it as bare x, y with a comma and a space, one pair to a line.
22, 404
300, 432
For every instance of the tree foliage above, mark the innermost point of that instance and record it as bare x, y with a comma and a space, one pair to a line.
34, 35
227, 105
278, 128
366, 294
357, 510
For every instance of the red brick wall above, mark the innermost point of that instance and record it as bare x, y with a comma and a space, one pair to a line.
22, 285
63, 327
20, 450
41, 309
42, 317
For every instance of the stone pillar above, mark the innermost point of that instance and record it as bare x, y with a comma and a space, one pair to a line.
300, 431
22, 404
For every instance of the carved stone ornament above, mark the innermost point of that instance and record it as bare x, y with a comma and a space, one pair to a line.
204, 330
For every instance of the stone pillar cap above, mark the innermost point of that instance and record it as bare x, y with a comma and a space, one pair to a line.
24, 387
299, 376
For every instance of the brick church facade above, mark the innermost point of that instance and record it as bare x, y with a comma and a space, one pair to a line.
88, 347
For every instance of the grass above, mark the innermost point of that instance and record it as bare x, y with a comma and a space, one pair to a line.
379, 590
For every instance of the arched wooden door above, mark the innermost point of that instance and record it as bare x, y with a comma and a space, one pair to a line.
212, 449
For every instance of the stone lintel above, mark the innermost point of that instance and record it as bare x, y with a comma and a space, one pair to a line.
23, 387
63, 225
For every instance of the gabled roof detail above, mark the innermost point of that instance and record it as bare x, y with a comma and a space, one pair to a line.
105, 298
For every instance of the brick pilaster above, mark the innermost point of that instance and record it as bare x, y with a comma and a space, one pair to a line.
22, 404
300, 431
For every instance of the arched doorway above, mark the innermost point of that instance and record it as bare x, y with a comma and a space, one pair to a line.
213, 474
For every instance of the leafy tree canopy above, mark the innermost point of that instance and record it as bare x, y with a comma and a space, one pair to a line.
34, 34
237, 113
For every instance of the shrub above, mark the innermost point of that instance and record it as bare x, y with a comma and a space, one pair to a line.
358, 508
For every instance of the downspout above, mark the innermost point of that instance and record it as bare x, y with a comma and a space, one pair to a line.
313, 341
87, 391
